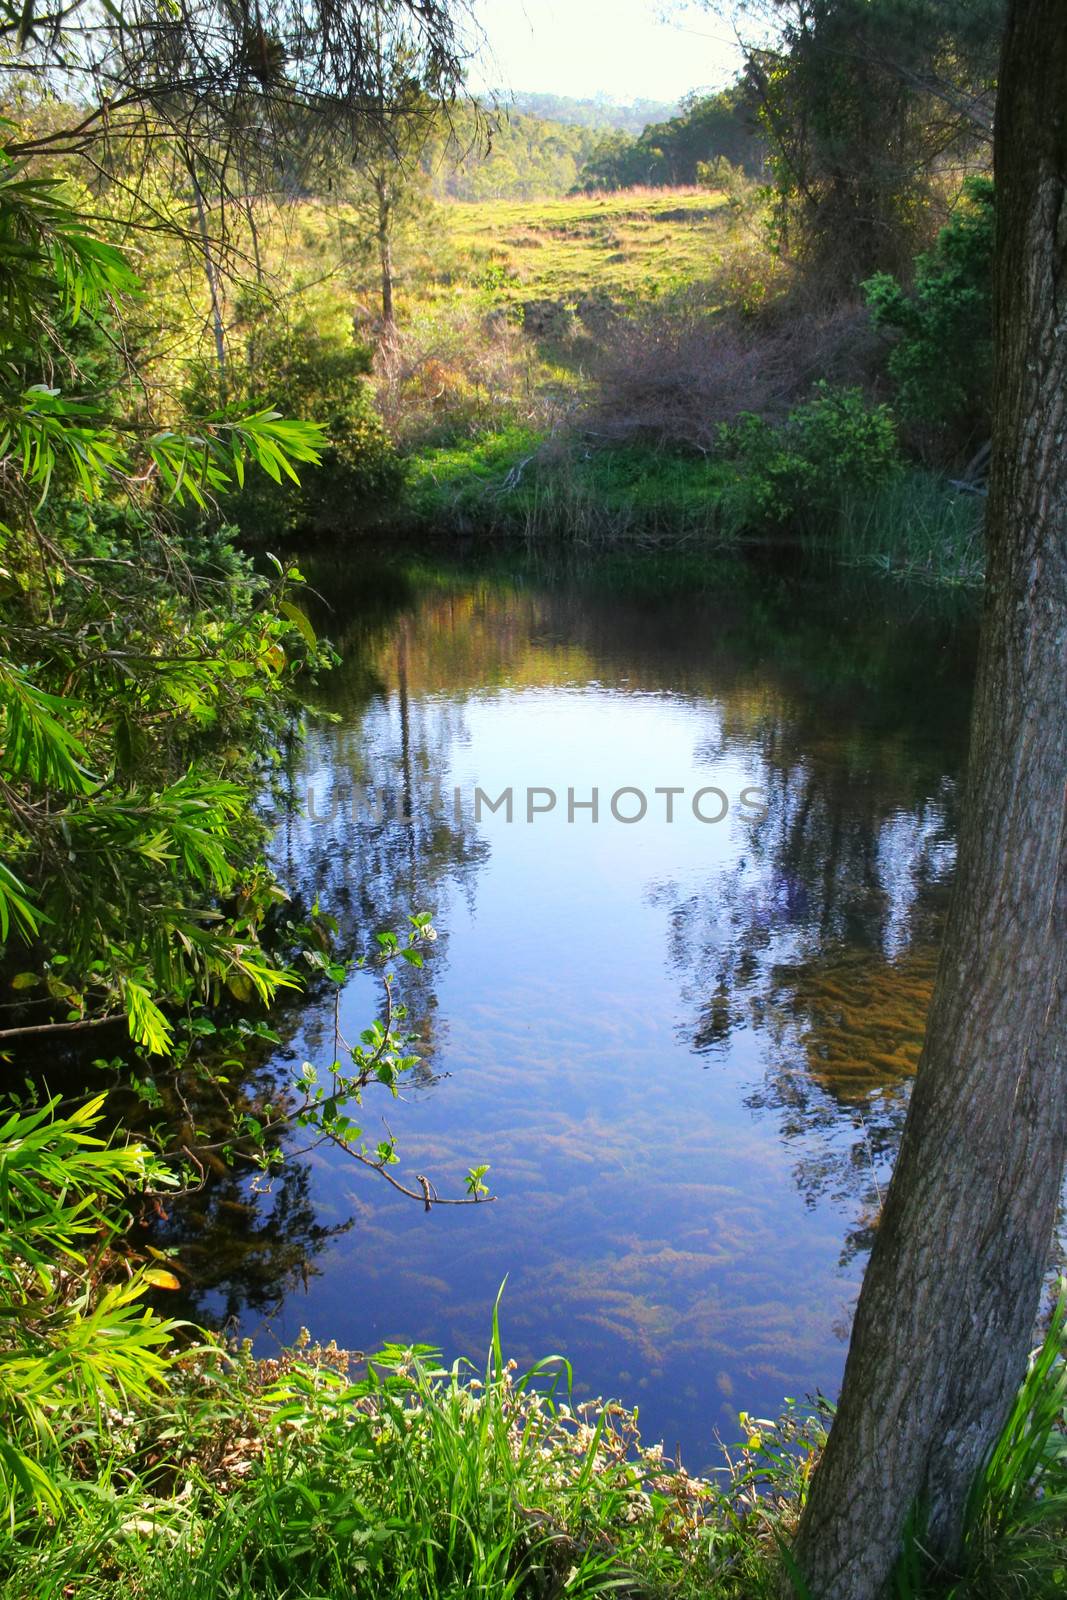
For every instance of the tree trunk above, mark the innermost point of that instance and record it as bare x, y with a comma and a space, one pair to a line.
212, 281
948, 1304
385, 253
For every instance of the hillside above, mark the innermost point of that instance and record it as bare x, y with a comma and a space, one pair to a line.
596, 112
635, 241
518, 151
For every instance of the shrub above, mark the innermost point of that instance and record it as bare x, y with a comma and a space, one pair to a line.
942, 362
311, 372
677, 372
799, 473
76, 1337
458, 372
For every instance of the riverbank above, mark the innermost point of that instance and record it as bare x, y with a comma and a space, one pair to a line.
510, 484
209, 1475
319, 1473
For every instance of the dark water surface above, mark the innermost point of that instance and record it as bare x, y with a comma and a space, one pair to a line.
683, 1047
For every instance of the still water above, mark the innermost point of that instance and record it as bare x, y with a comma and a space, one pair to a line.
683, 1046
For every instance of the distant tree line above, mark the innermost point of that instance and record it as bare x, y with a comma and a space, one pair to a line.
683, 150
524, 154
473, 155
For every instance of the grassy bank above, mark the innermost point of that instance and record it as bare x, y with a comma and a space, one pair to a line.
141, 1458
514, 483
320, 1474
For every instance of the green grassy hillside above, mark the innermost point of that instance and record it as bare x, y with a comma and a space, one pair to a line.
637, 241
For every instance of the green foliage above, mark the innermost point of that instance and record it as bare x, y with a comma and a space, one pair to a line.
314, 1475
76, 1339
799, 472
128, 796
942, 361
142, 680
917, 527
708, 130
1017, 1513
863, 104
47, 254
320, 371
520, 157
513, 481
45, 432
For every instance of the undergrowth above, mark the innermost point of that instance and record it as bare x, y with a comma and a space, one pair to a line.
587, 493
320, 1475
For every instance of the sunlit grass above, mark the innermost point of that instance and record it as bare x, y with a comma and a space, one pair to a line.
635, 242
513, 482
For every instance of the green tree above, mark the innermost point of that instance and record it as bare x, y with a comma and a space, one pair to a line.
224, 80
140, 681
389, 190
942, 360
865, 106
708, 129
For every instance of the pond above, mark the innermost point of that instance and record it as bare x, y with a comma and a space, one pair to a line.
681, 1030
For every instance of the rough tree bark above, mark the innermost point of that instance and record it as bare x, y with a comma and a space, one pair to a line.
949, 1300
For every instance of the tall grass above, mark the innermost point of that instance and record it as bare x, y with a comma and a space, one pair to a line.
918, 528
1016, 1536
316, 1476
1015, 1523
412, 1480
513, 483
319, 1475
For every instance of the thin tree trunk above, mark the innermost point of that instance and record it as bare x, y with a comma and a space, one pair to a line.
385, 254
253, 230
950, 1297
212, 280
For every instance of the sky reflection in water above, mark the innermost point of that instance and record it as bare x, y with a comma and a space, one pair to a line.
683, 1048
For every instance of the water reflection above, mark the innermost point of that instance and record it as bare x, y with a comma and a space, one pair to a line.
684, 1048
823, 935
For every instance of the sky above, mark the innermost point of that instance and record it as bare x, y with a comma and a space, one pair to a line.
625, 49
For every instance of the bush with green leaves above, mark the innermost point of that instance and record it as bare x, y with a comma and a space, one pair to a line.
313, 367
148, 677
942, 358
77, 1341
798, 473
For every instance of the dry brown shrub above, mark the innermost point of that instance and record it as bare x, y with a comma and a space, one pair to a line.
678, 372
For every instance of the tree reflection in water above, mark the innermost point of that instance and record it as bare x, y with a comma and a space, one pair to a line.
823, 938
